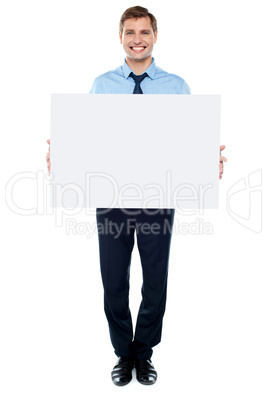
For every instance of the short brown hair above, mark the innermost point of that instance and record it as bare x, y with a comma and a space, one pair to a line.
138, 12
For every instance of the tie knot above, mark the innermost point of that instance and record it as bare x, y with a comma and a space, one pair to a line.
138, 78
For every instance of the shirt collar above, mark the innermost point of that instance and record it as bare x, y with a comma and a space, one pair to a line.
150, 70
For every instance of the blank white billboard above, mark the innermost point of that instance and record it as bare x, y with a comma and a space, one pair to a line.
125, 151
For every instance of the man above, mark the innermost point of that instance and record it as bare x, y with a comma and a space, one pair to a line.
139, 74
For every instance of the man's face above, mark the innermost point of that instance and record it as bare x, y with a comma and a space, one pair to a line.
138, 38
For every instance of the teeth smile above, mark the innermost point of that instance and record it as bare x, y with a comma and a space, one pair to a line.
138, 48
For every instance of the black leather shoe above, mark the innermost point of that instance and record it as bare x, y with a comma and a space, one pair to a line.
122, 372
145, 372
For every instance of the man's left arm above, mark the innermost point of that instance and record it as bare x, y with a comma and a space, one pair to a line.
222, 159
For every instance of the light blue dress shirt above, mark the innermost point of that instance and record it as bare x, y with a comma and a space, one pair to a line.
158, 82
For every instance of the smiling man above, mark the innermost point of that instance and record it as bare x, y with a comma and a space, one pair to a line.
137, 75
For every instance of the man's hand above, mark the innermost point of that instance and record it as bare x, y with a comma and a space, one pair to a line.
48, 158
222, 159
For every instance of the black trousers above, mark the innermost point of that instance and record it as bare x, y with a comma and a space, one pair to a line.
116, 228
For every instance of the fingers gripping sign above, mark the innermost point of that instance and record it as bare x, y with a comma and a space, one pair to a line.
48, 158
222, 159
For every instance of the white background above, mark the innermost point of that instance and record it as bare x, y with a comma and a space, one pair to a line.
54, 337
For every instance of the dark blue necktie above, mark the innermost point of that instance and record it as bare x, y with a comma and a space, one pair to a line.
138, 79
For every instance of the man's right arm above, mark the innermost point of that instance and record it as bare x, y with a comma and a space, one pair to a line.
48, 158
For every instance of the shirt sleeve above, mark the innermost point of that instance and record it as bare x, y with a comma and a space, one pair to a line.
186, 89
95, 87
